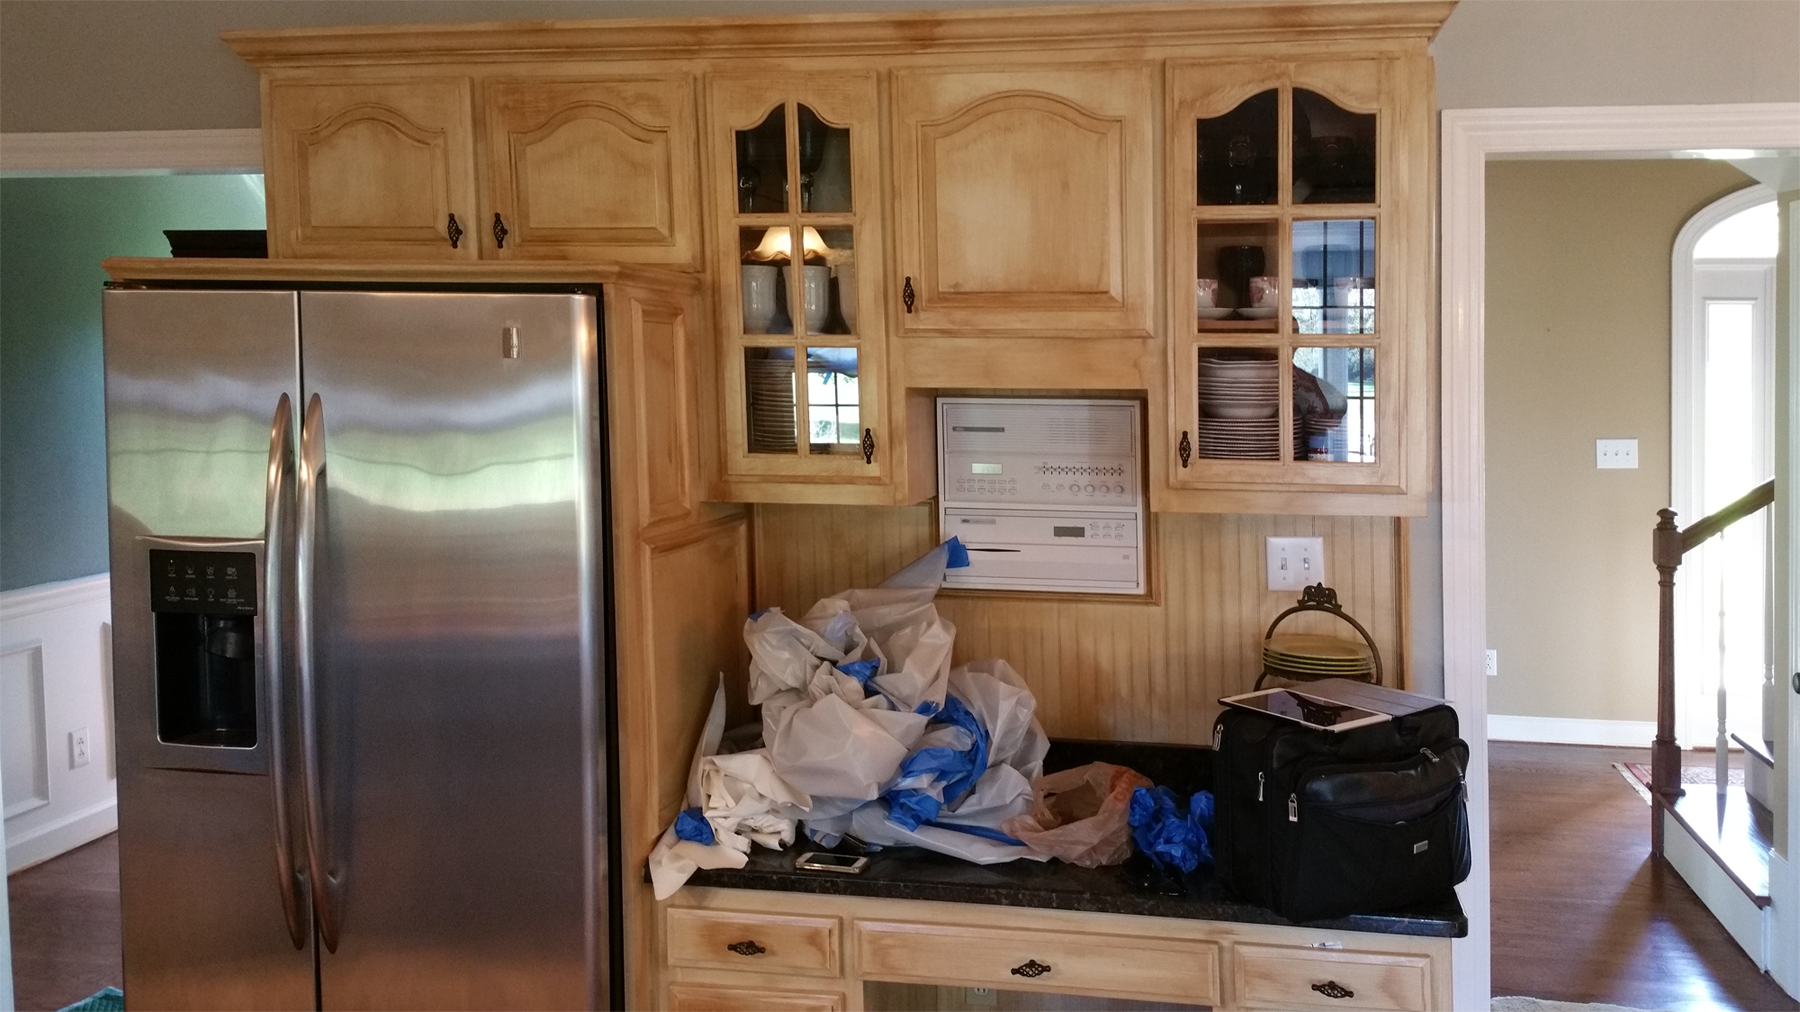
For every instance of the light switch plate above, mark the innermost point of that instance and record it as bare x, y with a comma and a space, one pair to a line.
1296, 562
1610, 453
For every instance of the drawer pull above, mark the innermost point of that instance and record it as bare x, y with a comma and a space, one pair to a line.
1332, 989
868, 446
907, 295
1030, 968
747, 947
500, 232
454, 231
1186, 449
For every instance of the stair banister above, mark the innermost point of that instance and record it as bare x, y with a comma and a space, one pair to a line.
1668, 544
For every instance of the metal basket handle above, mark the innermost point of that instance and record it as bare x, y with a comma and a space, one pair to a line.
1319, 597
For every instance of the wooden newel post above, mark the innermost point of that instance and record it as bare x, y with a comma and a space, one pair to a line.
1665, 754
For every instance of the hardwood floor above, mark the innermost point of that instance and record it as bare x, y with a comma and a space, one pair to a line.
1580, 911
65, 927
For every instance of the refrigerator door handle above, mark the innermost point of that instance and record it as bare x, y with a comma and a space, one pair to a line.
275, 536
312, 468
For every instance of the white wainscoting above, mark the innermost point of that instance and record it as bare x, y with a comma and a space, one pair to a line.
56, 677
1571, 730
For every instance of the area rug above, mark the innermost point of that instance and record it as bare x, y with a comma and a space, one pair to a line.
107, 999
1691, 774
1518, 1004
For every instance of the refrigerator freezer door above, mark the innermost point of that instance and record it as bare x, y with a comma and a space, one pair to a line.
457, 646
193, 383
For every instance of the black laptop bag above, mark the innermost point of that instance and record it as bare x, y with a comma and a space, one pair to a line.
1322, 824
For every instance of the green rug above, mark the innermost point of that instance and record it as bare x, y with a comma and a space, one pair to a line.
107, 999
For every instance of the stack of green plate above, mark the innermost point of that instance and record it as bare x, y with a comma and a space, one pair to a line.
1304, 657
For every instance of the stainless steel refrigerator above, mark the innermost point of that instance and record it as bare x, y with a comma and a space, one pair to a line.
361, 649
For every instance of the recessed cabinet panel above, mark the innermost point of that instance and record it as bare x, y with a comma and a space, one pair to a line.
372, 170
1022, 200
590, 170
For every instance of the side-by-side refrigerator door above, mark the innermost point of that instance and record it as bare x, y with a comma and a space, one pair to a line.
448, 598
202, 391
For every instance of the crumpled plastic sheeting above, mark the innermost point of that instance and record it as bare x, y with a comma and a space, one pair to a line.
733, 801
848, 690
1168, 834
968, 774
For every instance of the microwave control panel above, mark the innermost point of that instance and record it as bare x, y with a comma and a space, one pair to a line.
1046, 494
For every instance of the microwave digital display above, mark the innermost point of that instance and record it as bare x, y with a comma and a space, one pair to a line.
1069, 532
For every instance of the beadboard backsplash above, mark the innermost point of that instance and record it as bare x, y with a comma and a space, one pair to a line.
1131, 669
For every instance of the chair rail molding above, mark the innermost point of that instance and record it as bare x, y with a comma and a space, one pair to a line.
130, 152
1468, 138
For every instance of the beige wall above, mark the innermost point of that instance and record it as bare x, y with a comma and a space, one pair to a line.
1577, 350
159, 64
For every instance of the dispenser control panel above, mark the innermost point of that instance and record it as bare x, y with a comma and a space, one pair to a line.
203, 583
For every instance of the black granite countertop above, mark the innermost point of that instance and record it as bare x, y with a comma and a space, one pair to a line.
1133, 888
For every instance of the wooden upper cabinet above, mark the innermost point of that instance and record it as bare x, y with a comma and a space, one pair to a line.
374, 169
590, 170
1024, 200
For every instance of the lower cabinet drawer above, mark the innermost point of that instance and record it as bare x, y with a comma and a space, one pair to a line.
739, 940
1113, 965
1278, 977
715, 998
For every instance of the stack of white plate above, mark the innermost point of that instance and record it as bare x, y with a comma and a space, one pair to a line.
770, 384
1240, 405
1303, 657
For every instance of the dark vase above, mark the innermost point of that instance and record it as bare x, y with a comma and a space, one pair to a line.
1237, 265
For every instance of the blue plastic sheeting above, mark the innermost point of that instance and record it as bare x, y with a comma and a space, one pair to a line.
862, 671
1168, 834
956, 770
691, 825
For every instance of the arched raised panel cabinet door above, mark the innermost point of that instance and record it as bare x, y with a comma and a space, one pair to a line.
1024, 200
373, 170
590, 170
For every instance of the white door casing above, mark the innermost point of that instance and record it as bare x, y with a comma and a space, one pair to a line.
1468, 138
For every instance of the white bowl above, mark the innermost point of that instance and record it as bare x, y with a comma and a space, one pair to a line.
1257, 312
1211, 313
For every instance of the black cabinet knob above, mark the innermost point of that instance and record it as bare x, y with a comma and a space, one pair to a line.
499, 232
455, 231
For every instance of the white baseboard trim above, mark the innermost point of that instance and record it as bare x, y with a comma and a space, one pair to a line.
59, 837
1571, 730
131, 152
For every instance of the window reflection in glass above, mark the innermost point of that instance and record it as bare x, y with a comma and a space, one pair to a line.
1334, 404
1334, 152
1334, 276
1235, 154
833, 400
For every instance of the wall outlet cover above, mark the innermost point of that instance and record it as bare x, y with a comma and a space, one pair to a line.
1493, 663
78, 748
1615, 453
1295, 563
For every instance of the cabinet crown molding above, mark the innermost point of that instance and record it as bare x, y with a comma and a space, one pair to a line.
1085, 26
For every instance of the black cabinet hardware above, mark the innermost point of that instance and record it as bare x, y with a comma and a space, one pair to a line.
1185, 448
499, 232
868, 446
746, 947
455, 231
1030, 968
1332, 989
907, 295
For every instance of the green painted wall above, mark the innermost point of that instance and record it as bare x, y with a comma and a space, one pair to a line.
53, 235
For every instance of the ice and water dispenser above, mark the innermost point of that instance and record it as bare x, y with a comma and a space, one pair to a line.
204, 609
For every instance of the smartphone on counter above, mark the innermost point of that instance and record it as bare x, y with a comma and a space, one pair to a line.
815, 860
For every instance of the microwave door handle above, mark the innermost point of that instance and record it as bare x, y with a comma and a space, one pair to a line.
277, 494
306, 537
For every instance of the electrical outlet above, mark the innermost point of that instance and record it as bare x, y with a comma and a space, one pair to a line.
980, 997
1296, 562
1611, 453
1493, 663
78, 748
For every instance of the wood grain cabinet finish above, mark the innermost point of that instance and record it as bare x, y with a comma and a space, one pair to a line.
1024, 960
721, 998
1024, 200
371, 170
762, 943
1282, 977
600, 169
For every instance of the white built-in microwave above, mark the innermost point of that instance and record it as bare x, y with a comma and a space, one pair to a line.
1045, 493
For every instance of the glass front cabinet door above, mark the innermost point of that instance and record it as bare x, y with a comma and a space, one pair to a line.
1300, 258
795, 191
